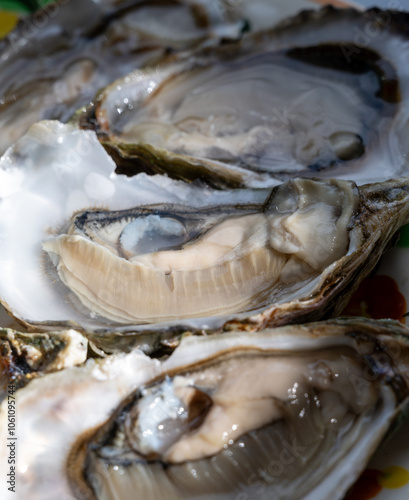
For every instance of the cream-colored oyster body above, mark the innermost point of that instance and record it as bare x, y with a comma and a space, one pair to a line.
170, 263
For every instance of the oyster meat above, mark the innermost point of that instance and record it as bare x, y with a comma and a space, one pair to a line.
158, 264
304, 99
217, 412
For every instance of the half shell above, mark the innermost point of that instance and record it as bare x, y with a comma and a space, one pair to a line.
103, 430
56, 170
323, 95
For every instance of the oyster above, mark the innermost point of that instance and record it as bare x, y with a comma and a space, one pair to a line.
55, 61
56, 171
49, 174
216, 412
308, 98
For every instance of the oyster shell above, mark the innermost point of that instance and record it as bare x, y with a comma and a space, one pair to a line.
57, 170
116, 377
345, 381
25, 356
309, 98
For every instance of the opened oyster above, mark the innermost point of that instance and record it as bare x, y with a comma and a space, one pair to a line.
256, 257
308, 98
246, 414
49, 174
55, 61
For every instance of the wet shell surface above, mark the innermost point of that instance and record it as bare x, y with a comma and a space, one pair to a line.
25, 356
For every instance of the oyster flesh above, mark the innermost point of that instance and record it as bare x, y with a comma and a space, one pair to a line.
246, 414
164, 263
304, 99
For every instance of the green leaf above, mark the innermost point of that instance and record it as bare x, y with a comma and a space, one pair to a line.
404, 236
23, 6
14, 6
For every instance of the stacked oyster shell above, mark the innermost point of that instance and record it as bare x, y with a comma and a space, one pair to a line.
233, 183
